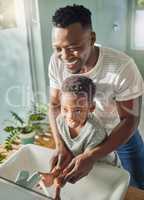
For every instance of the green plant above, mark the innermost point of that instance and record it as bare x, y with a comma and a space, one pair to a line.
140, 2
36, 121
2, 157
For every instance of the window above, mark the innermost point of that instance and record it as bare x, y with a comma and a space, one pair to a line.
138, 25
7, 14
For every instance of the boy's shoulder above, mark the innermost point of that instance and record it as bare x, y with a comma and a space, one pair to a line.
94, 127
95, 121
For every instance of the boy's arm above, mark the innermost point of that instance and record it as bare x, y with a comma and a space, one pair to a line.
63, 154
129, 113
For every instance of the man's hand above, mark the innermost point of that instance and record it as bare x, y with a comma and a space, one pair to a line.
62, 158
79, 167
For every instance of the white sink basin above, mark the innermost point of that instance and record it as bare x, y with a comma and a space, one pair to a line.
10, 191
104, 182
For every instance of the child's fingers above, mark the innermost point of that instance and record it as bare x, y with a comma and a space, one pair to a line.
59, 181
47, 178
56, 172
54, 162
43, 187
57, 193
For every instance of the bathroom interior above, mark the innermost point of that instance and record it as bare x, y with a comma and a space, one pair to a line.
25, 50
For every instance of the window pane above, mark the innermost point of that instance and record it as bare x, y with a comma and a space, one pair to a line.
139, 29
140, 4
15, 76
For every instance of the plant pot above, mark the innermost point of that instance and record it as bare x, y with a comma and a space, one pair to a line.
27, 138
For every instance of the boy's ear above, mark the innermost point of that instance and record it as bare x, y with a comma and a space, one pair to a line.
92, 108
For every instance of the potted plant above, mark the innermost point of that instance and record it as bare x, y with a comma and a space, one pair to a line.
36, 122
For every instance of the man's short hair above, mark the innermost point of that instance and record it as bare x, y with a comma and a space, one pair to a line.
68, 15
80, 86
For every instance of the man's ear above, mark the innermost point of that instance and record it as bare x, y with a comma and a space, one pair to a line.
93, 38
93, 106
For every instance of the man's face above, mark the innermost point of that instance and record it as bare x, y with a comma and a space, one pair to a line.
73, 46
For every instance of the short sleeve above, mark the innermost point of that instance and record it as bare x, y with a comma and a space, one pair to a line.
97, 137
128, 83
52, 72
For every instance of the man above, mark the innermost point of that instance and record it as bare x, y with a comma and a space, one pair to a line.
118, 100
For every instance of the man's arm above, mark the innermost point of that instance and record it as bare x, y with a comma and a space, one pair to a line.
129, 113
54, 110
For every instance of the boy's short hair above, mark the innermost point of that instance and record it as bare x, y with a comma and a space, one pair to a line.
68, 15
80, 86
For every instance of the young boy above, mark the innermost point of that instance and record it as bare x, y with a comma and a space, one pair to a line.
79, 128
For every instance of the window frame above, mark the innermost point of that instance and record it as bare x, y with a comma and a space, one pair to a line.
134, 8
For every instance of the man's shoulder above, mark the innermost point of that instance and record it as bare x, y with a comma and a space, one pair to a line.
54, 59
54, 56
114, 54
55, 64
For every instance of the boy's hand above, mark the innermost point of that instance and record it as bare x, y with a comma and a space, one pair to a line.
79, 167
62, 158
54, 178
48, 178
57, 193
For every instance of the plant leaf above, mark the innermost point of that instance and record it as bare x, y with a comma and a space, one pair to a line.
16, 117
9, 128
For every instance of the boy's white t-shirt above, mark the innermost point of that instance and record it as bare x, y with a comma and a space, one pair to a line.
116, 76
90, 135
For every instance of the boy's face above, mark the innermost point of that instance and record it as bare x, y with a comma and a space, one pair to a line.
73, 46
75, 109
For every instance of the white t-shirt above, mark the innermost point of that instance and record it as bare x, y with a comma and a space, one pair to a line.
90, 135
116, 76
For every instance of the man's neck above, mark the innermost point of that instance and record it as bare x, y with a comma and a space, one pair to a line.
92, 60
